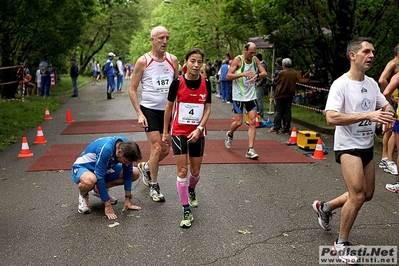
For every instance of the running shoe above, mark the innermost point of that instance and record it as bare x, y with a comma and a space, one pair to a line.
392, 187
144, 173
187, 219
343, 255
391, 168
97, 194
251, 154
228, 141
324, 218
84, 206
192, 199
155, 193
383, 164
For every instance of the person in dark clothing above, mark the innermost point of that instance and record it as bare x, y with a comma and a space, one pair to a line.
285, 90
45, 73
260, 88
74, 72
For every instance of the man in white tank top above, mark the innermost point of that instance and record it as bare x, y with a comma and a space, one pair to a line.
354, 105
156, 71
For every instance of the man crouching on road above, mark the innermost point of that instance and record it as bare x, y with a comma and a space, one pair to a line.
105, 163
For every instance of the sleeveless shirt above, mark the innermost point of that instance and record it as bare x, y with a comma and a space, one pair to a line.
244, 91
188, 108
155, 81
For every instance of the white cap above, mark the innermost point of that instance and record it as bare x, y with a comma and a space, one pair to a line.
111, 54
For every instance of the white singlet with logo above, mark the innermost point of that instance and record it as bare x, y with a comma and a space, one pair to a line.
349, 96
155, 81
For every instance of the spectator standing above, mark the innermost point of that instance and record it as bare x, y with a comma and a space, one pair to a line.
120, 74
93, 68
208, 69
156, 71
189, 100
128, 70
279, 66
74, 72
217, 64
243, 72
98, 78
45, 75
224, 83
354, 106
24, 77
260, 88
109, 72
38, 80
285, 90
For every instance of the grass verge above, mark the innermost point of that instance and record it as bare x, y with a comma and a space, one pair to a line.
17, 117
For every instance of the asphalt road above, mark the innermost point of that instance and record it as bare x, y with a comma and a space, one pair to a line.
248, 214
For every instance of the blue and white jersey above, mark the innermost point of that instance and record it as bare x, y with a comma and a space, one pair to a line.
109, 68
99, 157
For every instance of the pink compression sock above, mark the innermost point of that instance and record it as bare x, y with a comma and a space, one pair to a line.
193, 181
182, 189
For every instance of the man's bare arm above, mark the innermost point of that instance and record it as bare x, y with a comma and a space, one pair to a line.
134, 84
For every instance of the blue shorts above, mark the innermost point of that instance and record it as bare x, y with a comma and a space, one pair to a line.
395, 128
77, 172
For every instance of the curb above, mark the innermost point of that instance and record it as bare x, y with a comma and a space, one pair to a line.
324, 130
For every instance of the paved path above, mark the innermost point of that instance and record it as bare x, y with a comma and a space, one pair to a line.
39, 223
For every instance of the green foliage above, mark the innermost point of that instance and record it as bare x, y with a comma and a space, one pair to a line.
296, 27
17, 117
32, 29
112, 28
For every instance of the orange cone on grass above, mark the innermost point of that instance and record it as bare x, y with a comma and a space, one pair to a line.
47, 115
319, 152
25, 151
69, 116
40, 136
293, 138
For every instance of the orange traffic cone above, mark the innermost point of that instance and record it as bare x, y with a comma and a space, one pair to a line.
293, 138
40, 137
69, 116
25, 152
47, 115
318, 152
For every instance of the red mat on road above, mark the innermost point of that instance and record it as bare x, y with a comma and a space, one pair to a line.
119, 126
62, 156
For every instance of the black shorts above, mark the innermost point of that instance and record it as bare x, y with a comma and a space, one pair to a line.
238, 106
154, 119
365, 154
179, 146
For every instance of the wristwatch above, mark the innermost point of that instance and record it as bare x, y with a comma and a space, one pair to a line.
201, 129
392, 112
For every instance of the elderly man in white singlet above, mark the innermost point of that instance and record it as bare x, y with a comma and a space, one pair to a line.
155, 70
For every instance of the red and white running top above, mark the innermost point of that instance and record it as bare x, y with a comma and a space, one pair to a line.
155, 81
